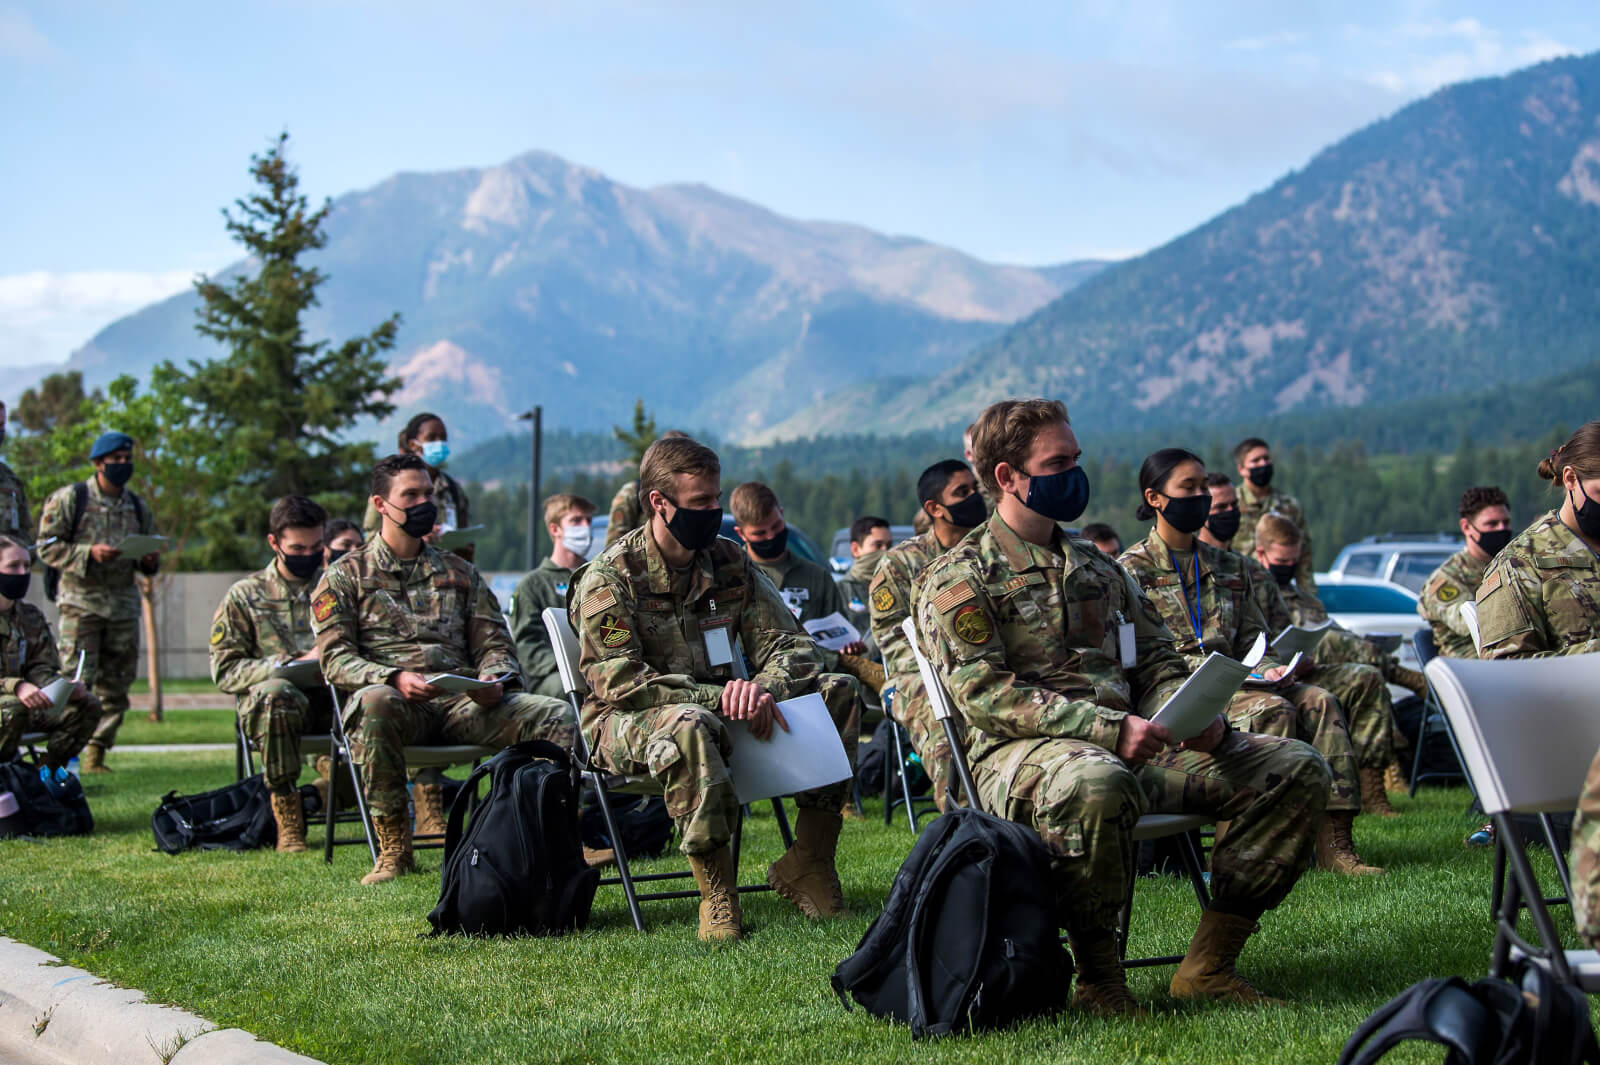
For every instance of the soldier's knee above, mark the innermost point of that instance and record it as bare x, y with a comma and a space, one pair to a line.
1302, 763
1101, 786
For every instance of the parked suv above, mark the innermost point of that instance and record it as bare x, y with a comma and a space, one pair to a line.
1406, 559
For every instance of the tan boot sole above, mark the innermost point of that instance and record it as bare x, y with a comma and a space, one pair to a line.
1087, 997
802, 901
291, 848
1240, 993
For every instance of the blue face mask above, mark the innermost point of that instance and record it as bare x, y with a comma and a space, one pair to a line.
1060, 496
435, 452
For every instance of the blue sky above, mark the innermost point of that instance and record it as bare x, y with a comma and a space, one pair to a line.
1028, 133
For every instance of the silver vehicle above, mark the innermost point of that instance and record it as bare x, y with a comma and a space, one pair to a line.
1382, 611
1406, 559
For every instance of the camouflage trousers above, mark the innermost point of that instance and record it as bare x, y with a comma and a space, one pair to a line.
69, 728
274, 715
1368, 709
549, 686
110, 649
380, 723
685, 747
1084, 802
1305, 712
928, 739
1585, 859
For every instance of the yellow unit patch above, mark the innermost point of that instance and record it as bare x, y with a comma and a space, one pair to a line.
322, 606
882, 598
972, 624
614, 632
598, 602
954, 596
1448, 592
218, 631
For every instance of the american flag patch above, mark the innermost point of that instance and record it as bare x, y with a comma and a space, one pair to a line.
953, 597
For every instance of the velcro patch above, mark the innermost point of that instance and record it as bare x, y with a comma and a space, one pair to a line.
599, 601
1489, 585
954, 596
1448, 593
1023, 580
322, 606
883, 598
218, 631
614, 631
972, 624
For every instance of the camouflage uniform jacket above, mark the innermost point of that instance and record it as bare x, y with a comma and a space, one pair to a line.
641, 638
626, 513
27, 649
14, 518
1251, 510
545, 587
1541, 595
854, 589
1230, 616
455, 510
103, 589
376, 614
891, 598
1452, 584
262, 621
1026, 638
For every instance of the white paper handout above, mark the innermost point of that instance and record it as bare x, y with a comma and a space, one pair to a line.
138, 545
302, 673
1256, 680
455, 682
832, 632
454, 538
1300, 639
1205, 694
810, 755
59, 690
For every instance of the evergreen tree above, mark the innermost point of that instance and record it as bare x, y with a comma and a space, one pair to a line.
640, 436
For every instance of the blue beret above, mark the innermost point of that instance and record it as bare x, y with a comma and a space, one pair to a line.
109, 442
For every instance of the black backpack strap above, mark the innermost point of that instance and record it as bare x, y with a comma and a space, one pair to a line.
1562, 1030
138, 510
1440, 1010
462, 802
80, 501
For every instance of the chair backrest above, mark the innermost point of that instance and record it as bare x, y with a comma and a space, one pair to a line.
1527, 727
1469, 611
1427, 648
943, 708
565, 643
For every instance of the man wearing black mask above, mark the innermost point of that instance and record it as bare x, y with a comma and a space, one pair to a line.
1486, 524
79, 534
1257, 497
263, 624
947, 493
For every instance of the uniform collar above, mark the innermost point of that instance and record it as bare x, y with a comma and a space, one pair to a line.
548, 565
282, 584
660, 574
109, 500
1160, 555
1470, 564
1573, 550
384, 558
1021, 555
863, 568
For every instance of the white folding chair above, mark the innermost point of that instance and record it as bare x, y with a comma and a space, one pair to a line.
565, 643
1469, 613
1148, 827
1527, 730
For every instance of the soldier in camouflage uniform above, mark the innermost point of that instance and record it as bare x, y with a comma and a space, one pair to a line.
568, 519
1055, 658
1203, 595
391, 613
28, 663
263, 622
1485, 517
1257, 498
659, 617
870, 538
15, 520
626, 514
100, 608
948, 494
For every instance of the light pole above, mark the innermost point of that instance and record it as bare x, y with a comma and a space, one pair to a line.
536, 416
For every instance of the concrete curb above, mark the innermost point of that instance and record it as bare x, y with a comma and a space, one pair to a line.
51, 1012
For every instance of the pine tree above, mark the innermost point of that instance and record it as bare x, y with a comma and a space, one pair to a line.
640, 436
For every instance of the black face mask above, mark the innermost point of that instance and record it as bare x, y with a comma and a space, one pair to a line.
1260, 476
420, 519
336, 553
301, 566
1588, 514
770, 548
118, 473
969, 513
1492, 541
14, 586
695, 529
1188, 514
1224, 524
1283, 574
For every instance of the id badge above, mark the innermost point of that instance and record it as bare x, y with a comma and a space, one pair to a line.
719, 650
1126, 644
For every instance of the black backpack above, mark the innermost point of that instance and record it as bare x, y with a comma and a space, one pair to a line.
642, 822
41, 812
1491, 1022
518, 868
872, 761
80, 499
968, 936
235, 818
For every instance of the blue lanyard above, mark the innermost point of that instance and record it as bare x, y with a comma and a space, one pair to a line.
1191, 607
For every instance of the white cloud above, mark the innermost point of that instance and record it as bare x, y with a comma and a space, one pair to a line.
45, 316
1436, 54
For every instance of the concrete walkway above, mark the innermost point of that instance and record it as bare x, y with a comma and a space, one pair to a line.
183, 701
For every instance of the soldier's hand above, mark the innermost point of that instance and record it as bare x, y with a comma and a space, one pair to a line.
1275, 674
80, 690
1141, 740
854, 647
1207, 741
489, 696
103, 553
414, 686
32, 697
309, 656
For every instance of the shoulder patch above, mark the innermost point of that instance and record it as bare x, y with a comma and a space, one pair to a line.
322, 606
1491, 583
883, 598
954, 596
614, 631
1448, 593
601, 600
972, 624
218, 631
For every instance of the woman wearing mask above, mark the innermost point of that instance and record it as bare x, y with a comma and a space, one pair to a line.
1204, 596
341, 537
426, 435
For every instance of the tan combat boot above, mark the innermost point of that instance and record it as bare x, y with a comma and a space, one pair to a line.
1374, 800
720, 916
1336, 848
92, 759
290, 813
805, 875
429, 802
596, 857
1394, 779
1207, 970
1102, 981
342, 792
394, 848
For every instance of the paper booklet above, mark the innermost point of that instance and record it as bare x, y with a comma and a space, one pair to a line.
1256, 680
809, 755
139, 545
832, 632
1205, 694
449, 541
1300, 639
455, 682
302, 673
59, 690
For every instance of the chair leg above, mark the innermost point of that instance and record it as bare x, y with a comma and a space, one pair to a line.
239, 746
1422, 741
1190, 856
623, 872
783, 823
361, 807
1523, 882
1497, 884
905, 779
333, 801
889, 769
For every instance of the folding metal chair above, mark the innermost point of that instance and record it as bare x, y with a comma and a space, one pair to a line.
1433, 720
244, 751
1150, 826
1528, 732
31, 741
895, 777
598, 779
1469, 612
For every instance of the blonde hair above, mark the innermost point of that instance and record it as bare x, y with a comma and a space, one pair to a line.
1274, 528
670, 456
1004, 432
561, 504
1581, 452
752, 502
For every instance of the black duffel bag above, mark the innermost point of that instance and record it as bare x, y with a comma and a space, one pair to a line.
42, 811
234, 818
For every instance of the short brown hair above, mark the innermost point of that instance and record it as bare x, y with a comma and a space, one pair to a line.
1480, 497
561, 504
1004, 432
752, 502
295, 512
1275, 528
1247, 445
1581, 452
670, 456
7, 542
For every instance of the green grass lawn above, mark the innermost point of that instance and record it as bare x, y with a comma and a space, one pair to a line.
299, 953
179, 726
